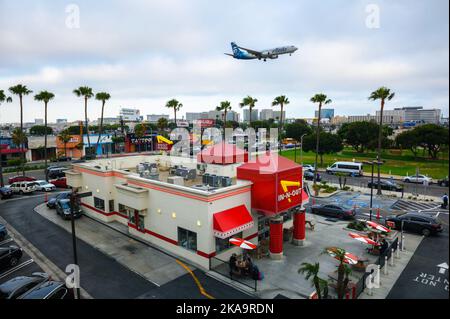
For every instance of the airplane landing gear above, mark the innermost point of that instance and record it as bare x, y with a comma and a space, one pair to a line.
265, 60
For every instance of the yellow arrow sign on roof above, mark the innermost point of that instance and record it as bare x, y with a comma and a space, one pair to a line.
162, 139
286, 184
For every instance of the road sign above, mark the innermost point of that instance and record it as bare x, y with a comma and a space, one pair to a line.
443, 268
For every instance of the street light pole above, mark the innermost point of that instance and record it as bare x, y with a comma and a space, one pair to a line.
73, 199
371, 193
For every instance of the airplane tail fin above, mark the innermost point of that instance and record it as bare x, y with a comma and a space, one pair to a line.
235, 48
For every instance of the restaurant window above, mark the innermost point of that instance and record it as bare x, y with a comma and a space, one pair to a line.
111, 205
187, 239
99, 203
123, 209
224, 243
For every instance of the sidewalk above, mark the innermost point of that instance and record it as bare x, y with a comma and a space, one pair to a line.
394, 272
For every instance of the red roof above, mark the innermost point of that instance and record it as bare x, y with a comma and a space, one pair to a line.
232, 221
222, 153
270, 163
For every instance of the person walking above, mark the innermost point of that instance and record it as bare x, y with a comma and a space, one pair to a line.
445, 201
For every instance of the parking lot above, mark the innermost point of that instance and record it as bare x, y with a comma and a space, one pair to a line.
25, 267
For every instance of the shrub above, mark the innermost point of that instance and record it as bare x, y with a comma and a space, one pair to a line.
357, 225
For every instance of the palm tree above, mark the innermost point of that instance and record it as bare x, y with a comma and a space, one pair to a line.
250, 102
86, 93
224, 107
321, 99
312, 270
65, 137
176, 106
383, 94
45, 96
7, 99
139, 132
21, 90
19, 138
281, 100
162, 123
101, 96
343, 270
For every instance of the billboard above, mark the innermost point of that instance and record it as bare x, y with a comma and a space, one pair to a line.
204, 122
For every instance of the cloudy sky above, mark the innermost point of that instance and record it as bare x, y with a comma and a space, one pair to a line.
146, 52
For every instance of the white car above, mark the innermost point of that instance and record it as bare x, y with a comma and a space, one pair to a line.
418, 179
44, 186
308, 167
23, 187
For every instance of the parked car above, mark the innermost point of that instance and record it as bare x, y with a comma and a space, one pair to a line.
417, 223
44, 186
386, 185
5, 192
49, 290
63, 209
60, 182
309, 176
57, 172
10, 256
308, 167
443, 182
333, 211
21, 179
16, 287
51, 203
64, 159
350, 168
3, 232
418, 179
23, 187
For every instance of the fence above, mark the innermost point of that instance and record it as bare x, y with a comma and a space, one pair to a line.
222, 267
360, 285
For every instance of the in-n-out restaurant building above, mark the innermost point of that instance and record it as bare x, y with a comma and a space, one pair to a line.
188, 218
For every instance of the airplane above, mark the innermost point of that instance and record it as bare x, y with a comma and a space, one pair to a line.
248, 54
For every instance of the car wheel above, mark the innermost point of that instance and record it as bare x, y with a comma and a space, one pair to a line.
407, 180
13, 261
21, 192
426, 232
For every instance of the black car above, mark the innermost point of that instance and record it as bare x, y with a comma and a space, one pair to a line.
51, 203
57, 172
63, 209
5, 192
49, 290
64, 159
10, 256
416, 223
309, 176
3, 232
333, 211
386, 185
16, 287
443, 182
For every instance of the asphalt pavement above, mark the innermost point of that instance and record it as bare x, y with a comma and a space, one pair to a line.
426, 275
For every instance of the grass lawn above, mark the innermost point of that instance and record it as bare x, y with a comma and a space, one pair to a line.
395, 163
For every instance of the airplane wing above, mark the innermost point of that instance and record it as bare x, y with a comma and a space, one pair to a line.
229, 54
257, 53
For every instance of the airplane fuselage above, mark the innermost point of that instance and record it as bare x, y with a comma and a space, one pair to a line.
248, 54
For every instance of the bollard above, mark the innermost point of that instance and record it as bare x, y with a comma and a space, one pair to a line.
403, 243
378, 276
378, 213
46, 197
354, 292
347, 295
392, 257
385, 271
370, 286
397, 252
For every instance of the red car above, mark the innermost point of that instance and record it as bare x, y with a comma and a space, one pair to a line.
21, 179
59, 182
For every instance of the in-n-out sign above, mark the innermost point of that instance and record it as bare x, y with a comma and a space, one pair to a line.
288, 194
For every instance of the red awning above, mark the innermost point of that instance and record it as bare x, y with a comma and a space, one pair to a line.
232, 221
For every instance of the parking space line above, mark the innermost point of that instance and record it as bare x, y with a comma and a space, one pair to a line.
12, 270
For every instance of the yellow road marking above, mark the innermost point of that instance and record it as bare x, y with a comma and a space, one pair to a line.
199, 285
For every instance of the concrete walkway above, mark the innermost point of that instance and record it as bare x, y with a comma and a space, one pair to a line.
150, 263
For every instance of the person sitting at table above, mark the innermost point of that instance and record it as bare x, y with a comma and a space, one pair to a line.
248, 263
233, 263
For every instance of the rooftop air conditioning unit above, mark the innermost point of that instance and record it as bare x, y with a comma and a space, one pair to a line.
175, 180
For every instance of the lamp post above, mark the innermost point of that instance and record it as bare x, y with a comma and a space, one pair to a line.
378, 163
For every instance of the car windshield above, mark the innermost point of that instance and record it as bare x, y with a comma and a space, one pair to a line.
65, 205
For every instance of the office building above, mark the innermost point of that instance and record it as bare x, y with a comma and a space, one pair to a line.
154, 118
255, 115
325, 113
130, 115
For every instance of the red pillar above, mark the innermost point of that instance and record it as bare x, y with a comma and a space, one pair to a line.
299, 227
276, 238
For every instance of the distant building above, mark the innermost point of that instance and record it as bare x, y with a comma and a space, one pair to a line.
130, 115
154, 118
266, 114
38, 121
109, 120
325, 113
277, 115
194, 116
418, 114
61, 121
255, 115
